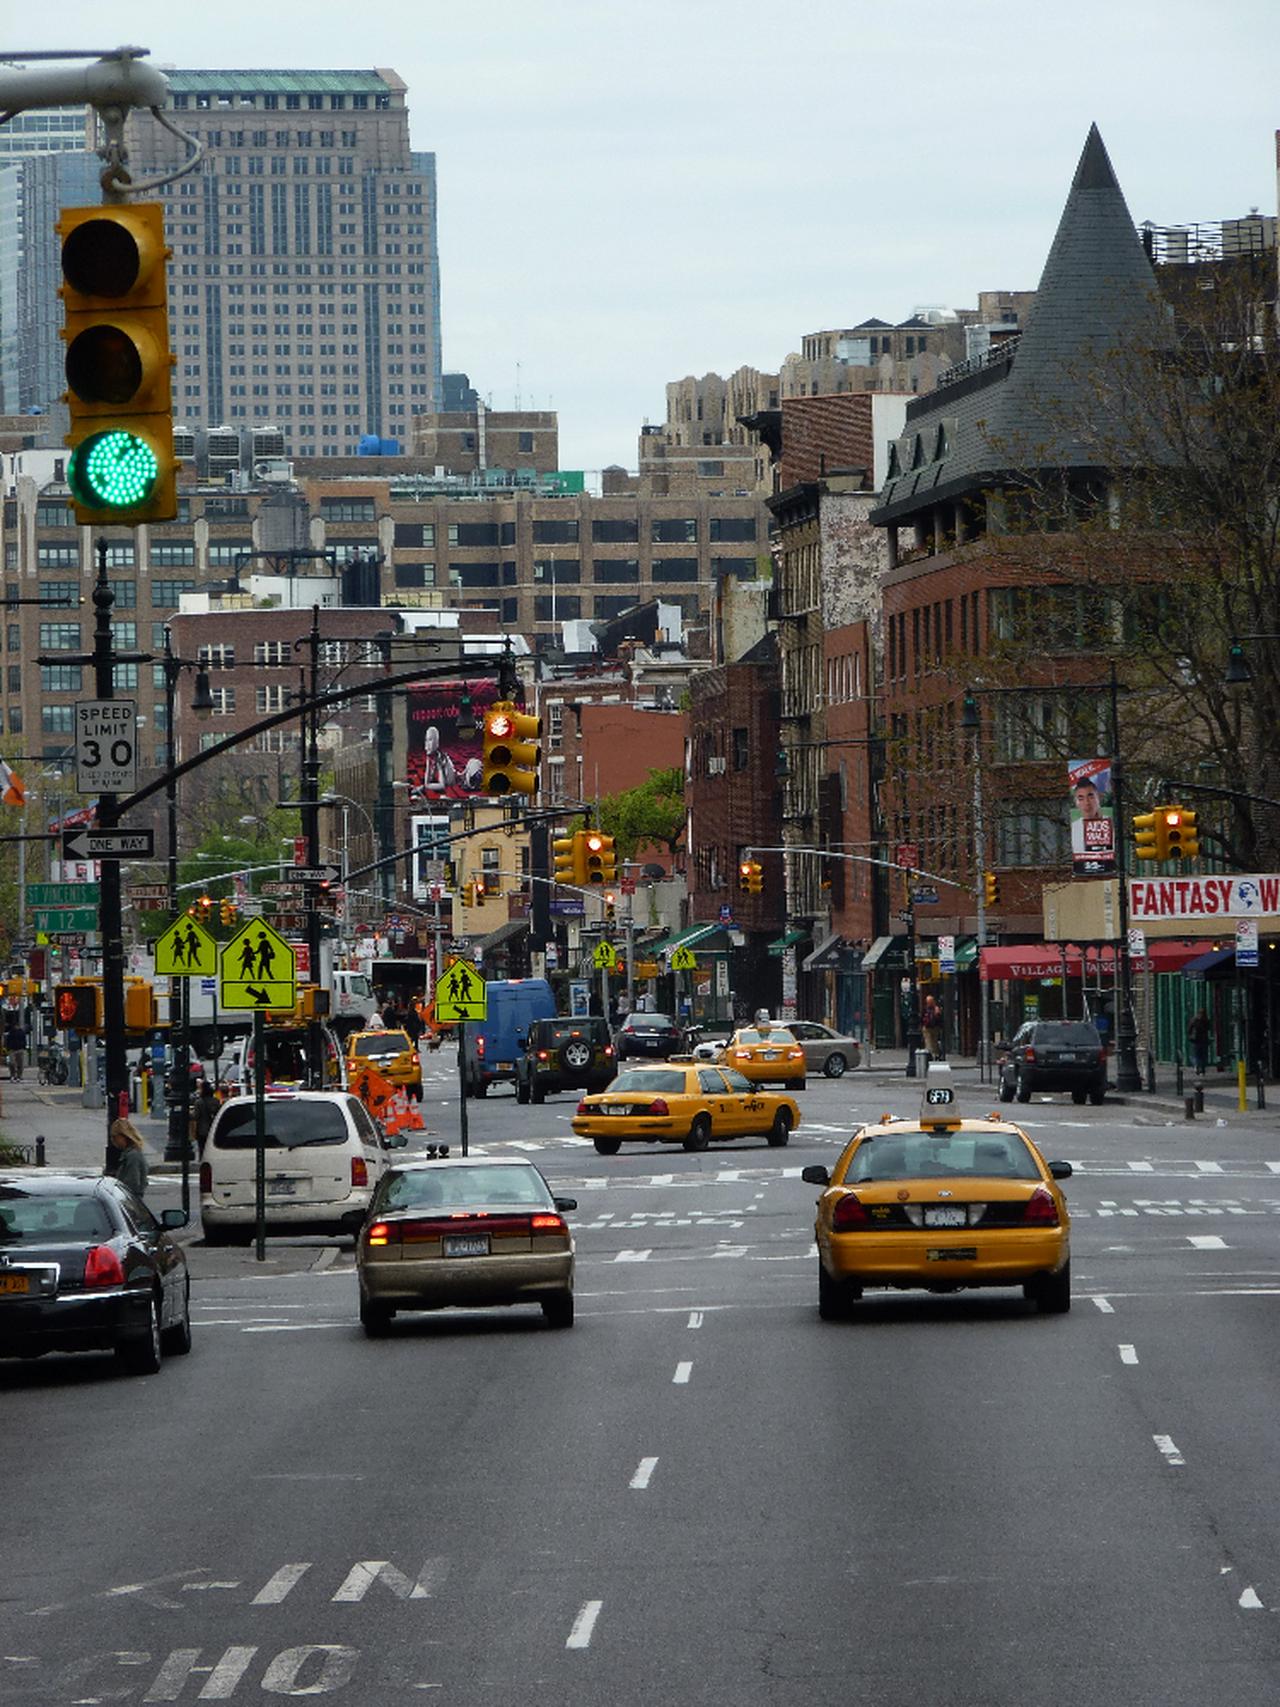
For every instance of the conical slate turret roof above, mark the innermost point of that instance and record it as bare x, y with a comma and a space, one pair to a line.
1028, 410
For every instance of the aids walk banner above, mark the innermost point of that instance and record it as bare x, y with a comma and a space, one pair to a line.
1253, 897
1093, 828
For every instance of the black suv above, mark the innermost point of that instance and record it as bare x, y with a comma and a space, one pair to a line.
1054, 1055
565, 1055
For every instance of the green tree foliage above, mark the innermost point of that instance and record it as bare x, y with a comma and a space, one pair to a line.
651, 815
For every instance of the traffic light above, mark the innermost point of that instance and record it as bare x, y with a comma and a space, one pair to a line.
1190, 834
78, 1007
1146, 837
564, 850
991, 888
755, 881
228, 912
511, 750
600, 857
118, 364
467, 893
139, 1005
744, 876
1176, 835
610, 906
205, 905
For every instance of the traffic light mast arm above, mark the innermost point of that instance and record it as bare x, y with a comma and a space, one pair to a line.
864, 859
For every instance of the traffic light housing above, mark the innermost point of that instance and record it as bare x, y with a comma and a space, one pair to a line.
1190, 834
600, 858
228, 912
744, 876
118, 363
511, 750
755, 881
466, 893
991, 888
139, 1005
78, 1007
610, 906
564, 859
1146, 836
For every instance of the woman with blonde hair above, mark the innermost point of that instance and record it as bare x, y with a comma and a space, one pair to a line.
131, 1169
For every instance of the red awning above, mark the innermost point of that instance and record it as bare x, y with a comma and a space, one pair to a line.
1045, 959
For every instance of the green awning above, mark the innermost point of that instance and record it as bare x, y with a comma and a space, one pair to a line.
966, 953
787, 940
888, 953
688, 937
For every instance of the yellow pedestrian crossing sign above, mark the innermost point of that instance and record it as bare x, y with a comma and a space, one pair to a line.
186, 950
461, 994
606, 956
258, 969
683, 959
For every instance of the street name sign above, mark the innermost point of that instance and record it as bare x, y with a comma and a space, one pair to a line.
186, 950
49, 919
63, 895
148, 891
923, 896
314, 873
106, 746
108, 844
257, 969
461, 994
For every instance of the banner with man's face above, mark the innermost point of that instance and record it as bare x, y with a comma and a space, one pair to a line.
1093, 828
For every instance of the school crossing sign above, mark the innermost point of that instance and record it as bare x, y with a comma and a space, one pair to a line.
186, 951
257, 969
461, 994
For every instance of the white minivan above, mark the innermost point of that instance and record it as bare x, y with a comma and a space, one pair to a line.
324, 1155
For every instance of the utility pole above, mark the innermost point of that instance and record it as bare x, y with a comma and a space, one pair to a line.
1128, 1078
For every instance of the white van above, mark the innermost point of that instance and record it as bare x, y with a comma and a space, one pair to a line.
324, 1155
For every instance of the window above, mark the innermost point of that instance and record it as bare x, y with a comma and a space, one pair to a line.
59, 636
270, 698
224, 701
567, 570
1063, 725
223, 553
166, 593
173, 554
57, 719
726, 529
347, 510
1055, 619
124, 676
1033, 833
741, 749
557, 532
473, 533
57, 556
54, 515
120, 554
53, 593
616, 569
272, 653
525, 442
126, 594
563, 608
739, 568
14, 641
216, 657
675, 569
673, 531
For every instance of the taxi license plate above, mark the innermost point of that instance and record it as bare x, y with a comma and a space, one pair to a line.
768, 1054
14, 1283
282, 1188
967, 1253
620, 1108
948, 1217
466, 1244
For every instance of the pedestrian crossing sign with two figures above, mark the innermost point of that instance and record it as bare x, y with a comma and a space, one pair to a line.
683, 959
257, 969
460, 994
186, 950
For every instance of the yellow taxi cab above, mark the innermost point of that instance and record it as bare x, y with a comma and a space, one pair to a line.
766, 1054
941, 1203
391, 1053
682, 1102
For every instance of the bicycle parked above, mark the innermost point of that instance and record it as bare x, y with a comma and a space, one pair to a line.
52, 1066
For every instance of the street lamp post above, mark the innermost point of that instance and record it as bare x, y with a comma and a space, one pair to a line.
1128, 1078
970, 721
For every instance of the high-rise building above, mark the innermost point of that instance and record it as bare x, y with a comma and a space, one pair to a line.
304, 282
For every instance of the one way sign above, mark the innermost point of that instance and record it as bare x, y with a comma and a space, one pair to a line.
108, 844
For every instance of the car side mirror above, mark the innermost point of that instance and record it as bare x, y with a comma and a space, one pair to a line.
172, 1219
816, 1175
1060, 1170
566, 1203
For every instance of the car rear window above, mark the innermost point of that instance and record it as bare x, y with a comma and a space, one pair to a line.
657, 1083
383, 1043
777, 1035
455, 1188
1069, 1034
906, 1154
650, 1022
289, 1125
45, 1218
593, 1032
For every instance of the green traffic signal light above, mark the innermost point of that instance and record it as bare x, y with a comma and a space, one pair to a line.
112, 470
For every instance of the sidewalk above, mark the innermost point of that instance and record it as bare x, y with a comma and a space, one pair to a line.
75, 1136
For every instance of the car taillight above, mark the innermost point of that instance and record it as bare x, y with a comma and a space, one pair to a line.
1102, 1056
1041, 1210
582, 1107
659, 1106
359, 1171
206, 1176
378, 1234
794, 1054
1029, 1055
543, 1055
102, 1267
608, 1050
480, 1047
742, 1054
849, 1212
547, 1224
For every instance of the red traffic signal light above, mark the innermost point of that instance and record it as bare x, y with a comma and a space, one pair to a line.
511, 750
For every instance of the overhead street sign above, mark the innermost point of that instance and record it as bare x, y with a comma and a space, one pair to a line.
108, 844
461, 994
257, 969
106, 746
62, 895
313, 873
186, 950
47, 920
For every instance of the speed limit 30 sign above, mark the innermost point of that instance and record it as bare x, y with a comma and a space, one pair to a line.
106, 746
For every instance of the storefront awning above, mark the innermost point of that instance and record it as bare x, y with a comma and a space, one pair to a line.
888, 953
504, 933
1046, 959
966, 953
1203, 964
787, 940
689, 937
826, 956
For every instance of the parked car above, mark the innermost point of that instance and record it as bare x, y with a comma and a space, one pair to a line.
825, 1051
653, 1037
562, 1055
1054, 1055
465, 1231
86, 1266
324, 1156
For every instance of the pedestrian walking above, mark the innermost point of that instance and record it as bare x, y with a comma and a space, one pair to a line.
931, 1020
411, 1021
131, 1165
206, 1108
1198, 1029
15, 1042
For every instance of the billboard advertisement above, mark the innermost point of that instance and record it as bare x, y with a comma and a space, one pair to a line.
1093, 830
440, 764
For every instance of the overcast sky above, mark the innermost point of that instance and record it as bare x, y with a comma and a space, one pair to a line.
632, 194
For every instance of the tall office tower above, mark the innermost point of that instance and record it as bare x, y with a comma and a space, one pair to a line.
304, 285
45, 164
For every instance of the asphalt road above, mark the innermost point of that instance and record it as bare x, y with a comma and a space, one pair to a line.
701, 1494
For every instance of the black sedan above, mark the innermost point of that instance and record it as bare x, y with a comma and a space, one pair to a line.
86, 1266
648, 1037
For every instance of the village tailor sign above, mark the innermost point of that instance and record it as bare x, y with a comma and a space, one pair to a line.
1204, 897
